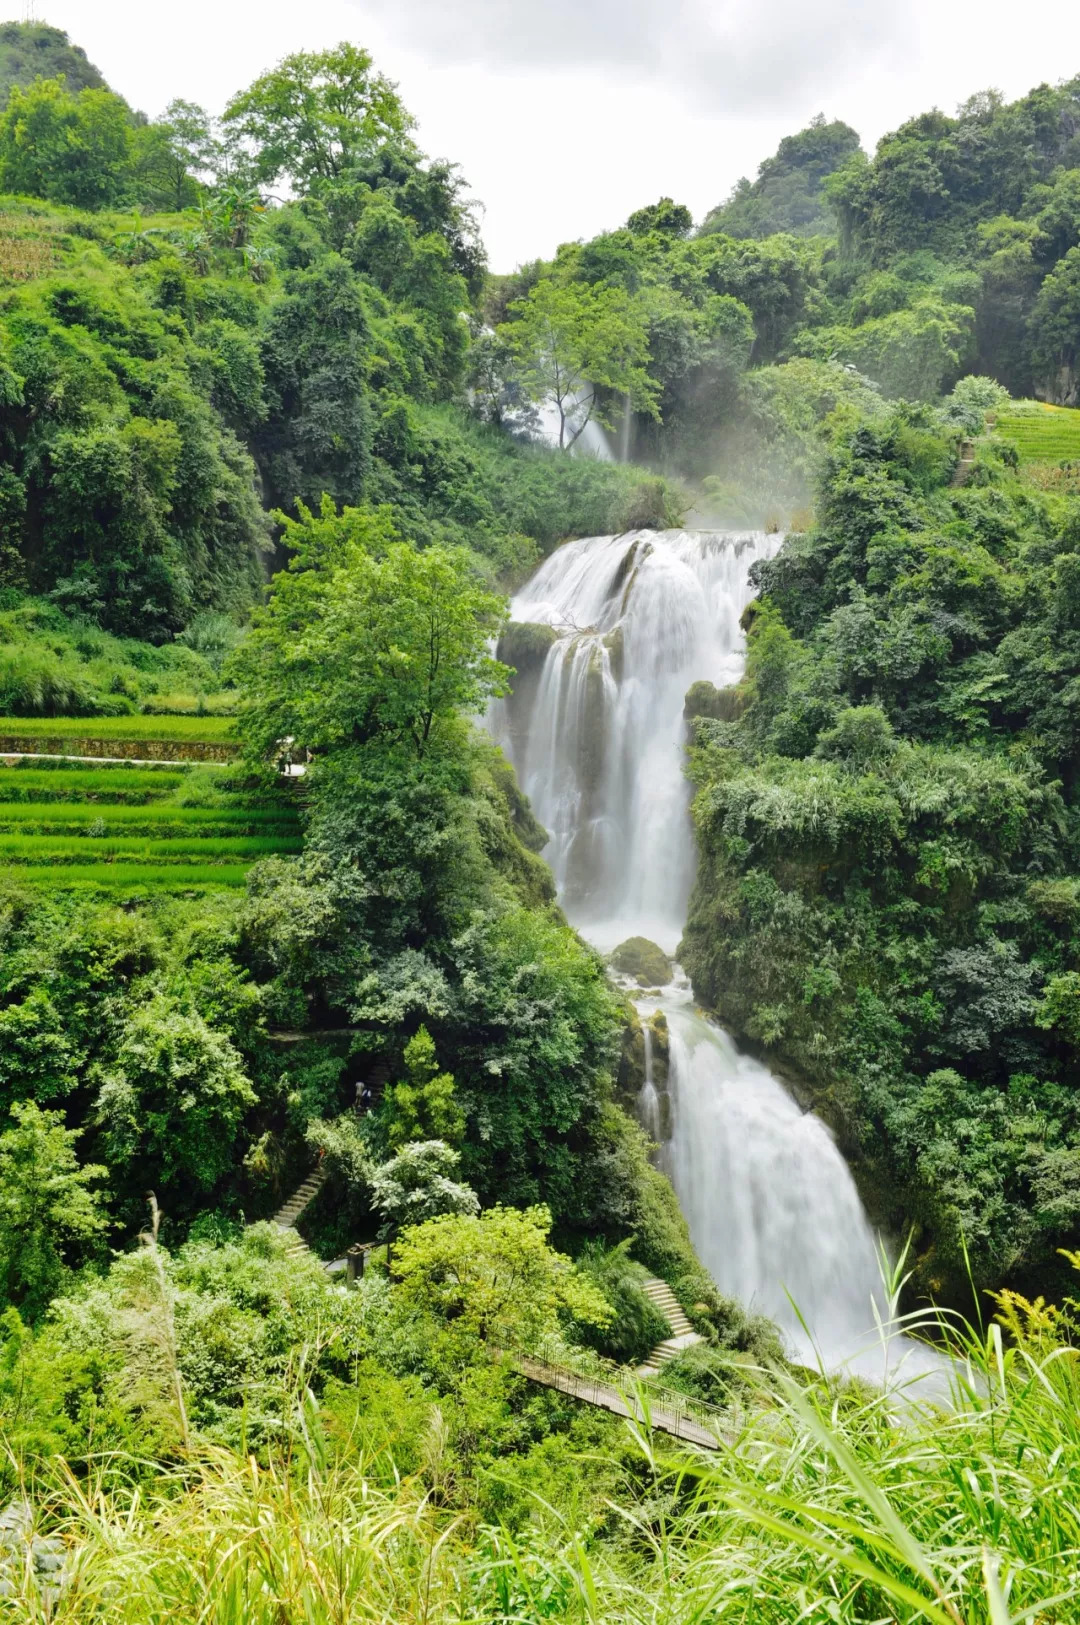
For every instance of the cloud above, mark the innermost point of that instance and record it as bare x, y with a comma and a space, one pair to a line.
724, 55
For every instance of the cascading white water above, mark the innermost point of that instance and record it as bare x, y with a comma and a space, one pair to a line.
770, 1203
597, 735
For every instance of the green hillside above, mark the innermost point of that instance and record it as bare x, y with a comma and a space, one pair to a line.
136, 831
30, 51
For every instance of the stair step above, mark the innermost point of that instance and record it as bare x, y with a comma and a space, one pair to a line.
668, 1304
681, 1340
673, 1346
291, 1210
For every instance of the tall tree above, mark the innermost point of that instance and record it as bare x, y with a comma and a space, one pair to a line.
367, 640
174, 153
1055, 329
71, 149
569, 340
316, 112
317, 437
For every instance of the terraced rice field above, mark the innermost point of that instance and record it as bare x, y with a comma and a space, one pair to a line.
206, 729
1041, 433
138, 829
195, 738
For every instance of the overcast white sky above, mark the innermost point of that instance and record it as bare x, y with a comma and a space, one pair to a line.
567, 114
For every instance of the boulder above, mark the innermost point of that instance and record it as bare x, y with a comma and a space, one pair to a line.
637, 957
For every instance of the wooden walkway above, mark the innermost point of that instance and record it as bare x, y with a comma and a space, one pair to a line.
668, 1413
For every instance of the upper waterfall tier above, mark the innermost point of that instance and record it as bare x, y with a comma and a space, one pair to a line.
595, 728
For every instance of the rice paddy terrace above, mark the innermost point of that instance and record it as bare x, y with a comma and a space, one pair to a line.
1042, 433
134, 805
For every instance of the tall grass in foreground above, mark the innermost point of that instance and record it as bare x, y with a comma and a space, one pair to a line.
830, 1505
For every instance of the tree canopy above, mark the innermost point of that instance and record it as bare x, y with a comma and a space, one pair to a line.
789, 192
367, 640
572, 340
316, 113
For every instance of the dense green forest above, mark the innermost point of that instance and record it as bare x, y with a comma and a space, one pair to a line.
268, 471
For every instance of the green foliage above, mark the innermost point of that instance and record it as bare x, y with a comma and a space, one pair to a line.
174, 1096
46, 1204
667, 215
315, 114
1054, 324
171, 153
636, 1325
353, 1479
317, 437
970, 401
405, 632
912, 354
128, 497
788, 193
887, 841
933, 180
68, 147
417, 1185
493, 1277
423, 1106
30, 51
570, 341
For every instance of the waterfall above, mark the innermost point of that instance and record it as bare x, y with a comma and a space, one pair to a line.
620, 628
771, 1205
597, 735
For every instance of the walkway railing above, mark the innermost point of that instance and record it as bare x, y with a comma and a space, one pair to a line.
694, 1420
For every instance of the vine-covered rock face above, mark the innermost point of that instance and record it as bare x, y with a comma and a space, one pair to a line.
643, 961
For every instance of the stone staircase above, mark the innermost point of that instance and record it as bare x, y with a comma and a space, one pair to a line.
290, 1211
683, 1334
962, 472
285, 1218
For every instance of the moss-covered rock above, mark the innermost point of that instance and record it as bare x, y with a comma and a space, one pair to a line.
594, 731
643, 960
614, 644
660, 1046
525, 644
630, 1078
704, 699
